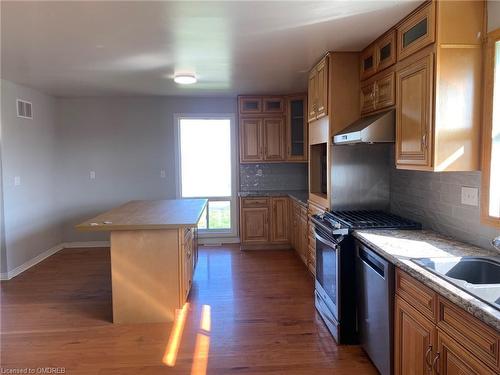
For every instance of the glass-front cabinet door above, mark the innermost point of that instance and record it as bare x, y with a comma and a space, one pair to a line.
296, 128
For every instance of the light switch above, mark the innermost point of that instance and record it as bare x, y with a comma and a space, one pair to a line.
163, 174
17, 180
92, 175
470, 196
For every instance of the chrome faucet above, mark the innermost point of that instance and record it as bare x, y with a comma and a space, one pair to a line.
496, 243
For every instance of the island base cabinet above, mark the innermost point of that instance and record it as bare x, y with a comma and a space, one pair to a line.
151, 273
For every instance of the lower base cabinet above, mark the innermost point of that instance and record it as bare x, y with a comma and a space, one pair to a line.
441, 339
277, 223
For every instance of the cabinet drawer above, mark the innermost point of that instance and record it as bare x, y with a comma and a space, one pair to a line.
255, 202
417, 294
417, 31
477, 338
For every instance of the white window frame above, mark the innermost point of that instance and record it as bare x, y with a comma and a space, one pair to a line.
212, 235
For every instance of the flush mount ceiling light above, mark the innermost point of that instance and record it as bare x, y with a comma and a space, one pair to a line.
185, 79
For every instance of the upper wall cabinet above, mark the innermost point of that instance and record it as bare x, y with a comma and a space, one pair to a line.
438, 99
272, 129
296, 129
379, 55
417, 31
378, 93
250, 104
318, 91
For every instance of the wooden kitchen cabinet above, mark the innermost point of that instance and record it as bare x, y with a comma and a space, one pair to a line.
264, 223
250, 140
454, 360
433, 336
273, 104
414, 340
262, 139
272, 129
438, 85
296, 128
250, 104
414, 113
273, 138
188, 261
378, 93
279, 220
378, 56
318, 90
417, 31
254, 225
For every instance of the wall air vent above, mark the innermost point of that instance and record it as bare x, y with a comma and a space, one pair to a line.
24, 109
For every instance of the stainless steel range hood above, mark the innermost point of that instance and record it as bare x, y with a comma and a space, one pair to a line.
378, 128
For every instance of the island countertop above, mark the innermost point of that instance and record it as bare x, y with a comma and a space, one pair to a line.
144, 215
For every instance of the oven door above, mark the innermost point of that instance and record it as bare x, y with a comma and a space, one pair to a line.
327, 269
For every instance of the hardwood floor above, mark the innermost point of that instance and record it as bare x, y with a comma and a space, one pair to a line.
249, 313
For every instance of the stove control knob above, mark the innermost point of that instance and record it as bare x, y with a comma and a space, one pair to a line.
336, 225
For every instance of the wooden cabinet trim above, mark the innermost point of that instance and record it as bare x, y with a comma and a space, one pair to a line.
387, 39
407, 317
423, 156
454, 360
414, 292
473, 335
426, 12
253, 98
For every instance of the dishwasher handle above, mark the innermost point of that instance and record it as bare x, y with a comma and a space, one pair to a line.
372, 261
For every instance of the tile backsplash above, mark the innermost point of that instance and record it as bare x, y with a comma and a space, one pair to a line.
279, 176
434, 199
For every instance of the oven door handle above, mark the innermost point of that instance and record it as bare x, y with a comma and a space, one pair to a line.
325, 241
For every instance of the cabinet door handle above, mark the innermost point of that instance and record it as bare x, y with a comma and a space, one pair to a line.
434, 363
424, 141
427, 361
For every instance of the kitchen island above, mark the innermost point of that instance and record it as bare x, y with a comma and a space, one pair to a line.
153, 255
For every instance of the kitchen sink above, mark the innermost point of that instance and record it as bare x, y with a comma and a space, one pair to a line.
479, 276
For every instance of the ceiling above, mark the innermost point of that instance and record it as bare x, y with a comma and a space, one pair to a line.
83, 48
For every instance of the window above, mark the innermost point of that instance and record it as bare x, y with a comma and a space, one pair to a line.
206, 169
491, 137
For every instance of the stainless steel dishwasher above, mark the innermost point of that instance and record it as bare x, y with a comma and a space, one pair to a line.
375, 304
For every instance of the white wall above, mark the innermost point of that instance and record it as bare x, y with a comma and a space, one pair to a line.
126, 141
31, 218
493, 14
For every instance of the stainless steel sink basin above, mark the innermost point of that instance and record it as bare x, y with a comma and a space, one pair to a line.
479, 276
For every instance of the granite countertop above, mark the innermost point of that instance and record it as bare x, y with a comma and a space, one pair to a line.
299, 195
398, 246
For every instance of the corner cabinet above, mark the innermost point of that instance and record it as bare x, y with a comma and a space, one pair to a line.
318, 91
432, 336
264, 222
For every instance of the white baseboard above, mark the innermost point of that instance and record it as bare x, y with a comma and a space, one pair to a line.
65, 245
30, 263
74, 245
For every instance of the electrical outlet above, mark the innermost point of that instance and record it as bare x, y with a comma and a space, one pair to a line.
17, 180
92, 175
470, 196
163, 174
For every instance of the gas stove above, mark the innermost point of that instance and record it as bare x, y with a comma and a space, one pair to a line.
342, 222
